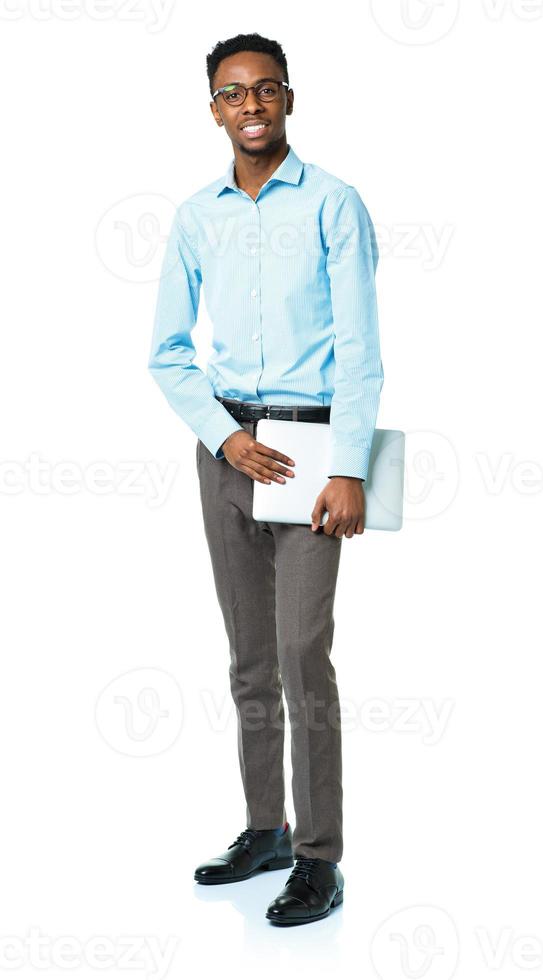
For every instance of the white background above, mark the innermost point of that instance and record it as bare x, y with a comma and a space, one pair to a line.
120, 770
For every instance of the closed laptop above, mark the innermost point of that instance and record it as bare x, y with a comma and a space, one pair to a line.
309, 445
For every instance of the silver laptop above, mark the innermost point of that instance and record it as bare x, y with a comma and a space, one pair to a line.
309, 445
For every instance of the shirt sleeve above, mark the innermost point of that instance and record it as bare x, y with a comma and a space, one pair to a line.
186, 387
351, 261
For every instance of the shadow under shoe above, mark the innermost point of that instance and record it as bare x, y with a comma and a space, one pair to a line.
312, 889
251, 852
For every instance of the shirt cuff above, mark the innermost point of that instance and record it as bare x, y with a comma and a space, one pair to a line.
216, 429
349, 461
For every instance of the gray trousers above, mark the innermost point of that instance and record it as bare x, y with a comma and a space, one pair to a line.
276, 584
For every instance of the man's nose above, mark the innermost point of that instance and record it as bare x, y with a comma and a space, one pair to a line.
252, 104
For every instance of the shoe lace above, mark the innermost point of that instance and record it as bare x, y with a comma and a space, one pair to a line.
247, 837
303, 868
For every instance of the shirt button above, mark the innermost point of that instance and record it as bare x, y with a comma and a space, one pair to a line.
253, 292
255, 336
253, 250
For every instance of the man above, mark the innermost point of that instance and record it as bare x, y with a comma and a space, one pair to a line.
286, 253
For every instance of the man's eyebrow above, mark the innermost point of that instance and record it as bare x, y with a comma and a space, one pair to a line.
256, 83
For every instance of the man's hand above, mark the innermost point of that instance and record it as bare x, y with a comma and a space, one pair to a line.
343, 498
254, 458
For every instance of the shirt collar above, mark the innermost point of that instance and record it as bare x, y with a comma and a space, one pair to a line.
289, 171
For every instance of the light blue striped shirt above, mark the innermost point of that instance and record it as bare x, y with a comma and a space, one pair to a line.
289, 286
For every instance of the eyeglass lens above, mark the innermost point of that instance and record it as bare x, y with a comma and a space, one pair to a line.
265, 92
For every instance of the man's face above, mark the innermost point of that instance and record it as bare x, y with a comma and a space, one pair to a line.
250, 67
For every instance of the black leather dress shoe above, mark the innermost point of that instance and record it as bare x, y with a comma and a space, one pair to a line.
252, 851
312, 889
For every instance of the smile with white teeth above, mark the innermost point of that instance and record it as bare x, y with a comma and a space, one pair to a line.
254, 128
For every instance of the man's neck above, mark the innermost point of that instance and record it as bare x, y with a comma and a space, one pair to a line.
252, 172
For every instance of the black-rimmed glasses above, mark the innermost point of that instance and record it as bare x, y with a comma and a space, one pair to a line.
266, 91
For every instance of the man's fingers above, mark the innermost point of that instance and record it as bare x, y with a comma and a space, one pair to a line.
317, 512
336, 526
332, 526
257, 460
266, 464
257, 471
268, 471
260, 447
254, 474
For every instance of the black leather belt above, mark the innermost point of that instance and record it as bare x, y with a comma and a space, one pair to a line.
251, 411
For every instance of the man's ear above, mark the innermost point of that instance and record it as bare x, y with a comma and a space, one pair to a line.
215, 114
290, 103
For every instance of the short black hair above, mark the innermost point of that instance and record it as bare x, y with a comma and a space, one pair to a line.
244, 42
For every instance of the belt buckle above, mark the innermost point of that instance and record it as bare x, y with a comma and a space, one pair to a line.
280, 408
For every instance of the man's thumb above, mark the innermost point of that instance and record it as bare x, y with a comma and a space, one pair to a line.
317, 513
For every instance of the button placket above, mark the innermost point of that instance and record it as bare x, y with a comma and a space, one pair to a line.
254, 293
255, 269
257, 335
